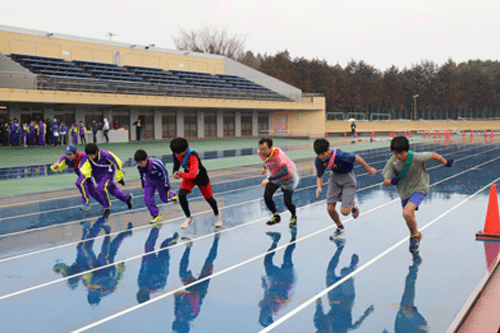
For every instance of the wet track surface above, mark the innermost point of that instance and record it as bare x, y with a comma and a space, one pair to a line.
65, 270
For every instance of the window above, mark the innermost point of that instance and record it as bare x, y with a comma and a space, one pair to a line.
246, 123
229, 127
210, 124
169, 124
263, 121
122, 117
190, 125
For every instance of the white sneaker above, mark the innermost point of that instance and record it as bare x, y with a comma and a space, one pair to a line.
187, 222
218, 221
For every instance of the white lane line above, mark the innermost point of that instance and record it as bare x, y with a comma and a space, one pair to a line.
224, 230
138, 306
135, 197
209, 211
139, 196
172, 182
144, 208
369, 263
310, 301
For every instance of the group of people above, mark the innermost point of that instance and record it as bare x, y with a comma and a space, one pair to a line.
405, 169
40, 133
51, 132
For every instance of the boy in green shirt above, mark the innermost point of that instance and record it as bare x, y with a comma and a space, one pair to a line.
412, 181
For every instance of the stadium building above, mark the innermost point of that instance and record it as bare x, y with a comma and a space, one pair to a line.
45, 75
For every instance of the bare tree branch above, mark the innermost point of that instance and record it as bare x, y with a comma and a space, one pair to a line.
211, 40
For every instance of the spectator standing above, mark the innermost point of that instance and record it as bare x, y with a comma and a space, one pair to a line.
94, 130
5, 134
64, 133
105, 129
81, 130
138, 129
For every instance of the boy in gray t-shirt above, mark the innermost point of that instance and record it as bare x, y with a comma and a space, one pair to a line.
412, 181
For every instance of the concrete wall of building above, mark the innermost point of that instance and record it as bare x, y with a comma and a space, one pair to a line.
13, 75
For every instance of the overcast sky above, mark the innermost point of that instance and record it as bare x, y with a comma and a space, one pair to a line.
381, 33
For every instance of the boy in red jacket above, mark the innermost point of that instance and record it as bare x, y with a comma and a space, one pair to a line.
194, 174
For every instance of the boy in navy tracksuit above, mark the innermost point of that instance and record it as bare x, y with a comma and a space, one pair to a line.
154, 176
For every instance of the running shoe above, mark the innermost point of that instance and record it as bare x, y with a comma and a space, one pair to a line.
173, 197
129, 201
218, 221
274, 219
355, 210
85, 207
293, 221
414, 242
187, 222
337, 233
156, 219
106, 214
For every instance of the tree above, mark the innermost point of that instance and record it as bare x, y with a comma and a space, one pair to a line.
211, 40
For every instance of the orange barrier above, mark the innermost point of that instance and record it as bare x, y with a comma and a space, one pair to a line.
492, 223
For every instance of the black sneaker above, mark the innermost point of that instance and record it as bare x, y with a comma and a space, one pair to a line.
293, 221
106, 214
274, 220
129, 201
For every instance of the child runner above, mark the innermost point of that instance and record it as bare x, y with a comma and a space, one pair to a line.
194, 174
281, 174
104, 166
79, 162
156, 176
412, 181
342, 183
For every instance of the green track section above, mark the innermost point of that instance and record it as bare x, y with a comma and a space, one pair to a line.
33, 156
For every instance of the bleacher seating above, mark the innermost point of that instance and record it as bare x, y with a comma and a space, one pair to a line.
78, 75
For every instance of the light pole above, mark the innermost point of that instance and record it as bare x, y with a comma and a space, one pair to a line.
415, 106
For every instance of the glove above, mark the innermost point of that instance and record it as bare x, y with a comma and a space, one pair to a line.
394, 180
449, 163
121, 182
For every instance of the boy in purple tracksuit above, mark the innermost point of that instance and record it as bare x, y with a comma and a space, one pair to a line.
74, 133
14, 130
104, 166
81, 131
83, 169
24, 134
42, 131
156, 179
32, 133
